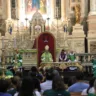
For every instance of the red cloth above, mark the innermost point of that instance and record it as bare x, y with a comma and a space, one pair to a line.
44, 39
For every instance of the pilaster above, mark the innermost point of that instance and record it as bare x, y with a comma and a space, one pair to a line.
63, 8
92, 27
8, 9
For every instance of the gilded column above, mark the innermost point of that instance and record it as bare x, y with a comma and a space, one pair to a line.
8, 9
63, 12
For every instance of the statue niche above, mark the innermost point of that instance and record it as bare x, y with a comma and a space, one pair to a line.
37, 24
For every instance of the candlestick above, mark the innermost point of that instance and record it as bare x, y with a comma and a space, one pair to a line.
57, 12
2, 42
3, 57
15, 42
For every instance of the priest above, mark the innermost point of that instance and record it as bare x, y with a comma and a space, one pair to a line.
72, 57
94, 65
17, 60
46, 56
63, 56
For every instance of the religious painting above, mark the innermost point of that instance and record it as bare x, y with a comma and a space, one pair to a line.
33, 5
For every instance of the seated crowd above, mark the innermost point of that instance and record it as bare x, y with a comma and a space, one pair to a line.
46, 82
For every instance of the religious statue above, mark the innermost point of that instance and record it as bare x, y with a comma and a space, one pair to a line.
46, 56
63, 56
77, 13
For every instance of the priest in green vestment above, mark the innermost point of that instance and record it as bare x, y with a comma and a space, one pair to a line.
46, 56
17, 60
72, 57
94, 66
7, 74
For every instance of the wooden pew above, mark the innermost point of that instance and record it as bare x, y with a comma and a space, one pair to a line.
75, 94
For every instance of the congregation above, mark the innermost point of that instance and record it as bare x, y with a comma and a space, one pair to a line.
48, 82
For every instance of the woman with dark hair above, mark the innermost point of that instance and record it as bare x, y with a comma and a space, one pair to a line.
3, 88
58, 88
90, 89
26, 87
15, 85
37, 88
34, 73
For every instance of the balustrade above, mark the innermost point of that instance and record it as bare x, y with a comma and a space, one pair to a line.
30, 59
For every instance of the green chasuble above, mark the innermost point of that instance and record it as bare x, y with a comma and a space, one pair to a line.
71, 57
46, 57
18, 60
90, 94
8, 74
94, 67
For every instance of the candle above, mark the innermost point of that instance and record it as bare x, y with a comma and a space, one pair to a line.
14, 42
2, 42
57, 12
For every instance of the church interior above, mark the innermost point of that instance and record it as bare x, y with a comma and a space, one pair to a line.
29, 25
48, 47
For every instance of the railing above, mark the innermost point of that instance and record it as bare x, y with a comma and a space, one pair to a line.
84, 58
86, 61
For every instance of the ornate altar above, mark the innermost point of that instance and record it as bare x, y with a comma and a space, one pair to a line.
37, 24
62, 65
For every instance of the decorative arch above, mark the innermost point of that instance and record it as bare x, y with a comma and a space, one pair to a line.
37, 24
46, 38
